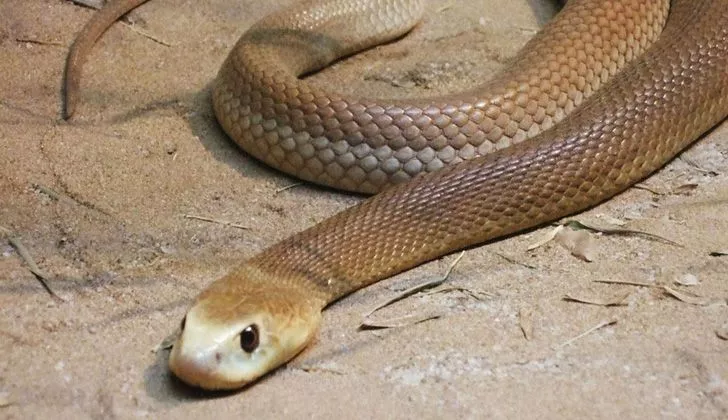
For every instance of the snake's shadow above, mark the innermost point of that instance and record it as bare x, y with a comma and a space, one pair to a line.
161, 385
204, 126
196, 109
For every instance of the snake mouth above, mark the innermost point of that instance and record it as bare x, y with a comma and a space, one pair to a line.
201, 371
189, 371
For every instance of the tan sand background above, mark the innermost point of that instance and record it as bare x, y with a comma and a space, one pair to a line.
145, 150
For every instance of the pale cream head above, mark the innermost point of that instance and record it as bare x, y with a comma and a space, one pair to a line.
238, 331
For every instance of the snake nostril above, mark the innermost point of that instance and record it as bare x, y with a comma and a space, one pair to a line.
218, 357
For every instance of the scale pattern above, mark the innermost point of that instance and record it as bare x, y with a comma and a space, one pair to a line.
364, 145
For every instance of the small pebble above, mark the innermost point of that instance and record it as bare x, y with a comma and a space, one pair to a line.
688, 280
170, 148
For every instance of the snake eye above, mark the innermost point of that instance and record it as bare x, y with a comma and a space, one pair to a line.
249, 339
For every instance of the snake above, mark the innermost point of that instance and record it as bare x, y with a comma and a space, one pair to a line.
605, 94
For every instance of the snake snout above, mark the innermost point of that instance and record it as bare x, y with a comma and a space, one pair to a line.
192, 369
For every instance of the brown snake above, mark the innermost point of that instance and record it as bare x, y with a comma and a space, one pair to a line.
479, 164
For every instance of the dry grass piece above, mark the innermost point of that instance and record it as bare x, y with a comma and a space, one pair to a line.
365, 324
24, 254
211, 220
39, 42
404, 321
475, 294
525, 322
575, 224
513, 261
587, 332
688, 297
626, 283
617, 300
322, 367
287, 187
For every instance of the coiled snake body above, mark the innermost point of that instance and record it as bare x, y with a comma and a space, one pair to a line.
481, 164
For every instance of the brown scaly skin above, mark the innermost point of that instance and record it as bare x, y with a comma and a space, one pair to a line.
265, 311
364, 145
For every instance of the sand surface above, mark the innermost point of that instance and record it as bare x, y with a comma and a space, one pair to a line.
100, 204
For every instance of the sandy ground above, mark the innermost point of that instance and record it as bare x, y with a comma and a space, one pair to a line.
145, 150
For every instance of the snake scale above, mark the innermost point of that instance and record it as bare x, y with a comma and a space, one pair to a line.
604, 95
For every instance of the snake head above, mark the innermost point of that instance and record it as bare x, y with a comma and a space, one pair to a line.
241, 328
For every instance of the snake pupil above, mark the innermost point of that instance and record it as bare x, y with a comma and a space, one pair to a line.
182, 324
249, 339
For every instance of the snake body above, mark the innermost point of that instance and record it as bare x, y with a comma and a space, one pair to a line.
481, 164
